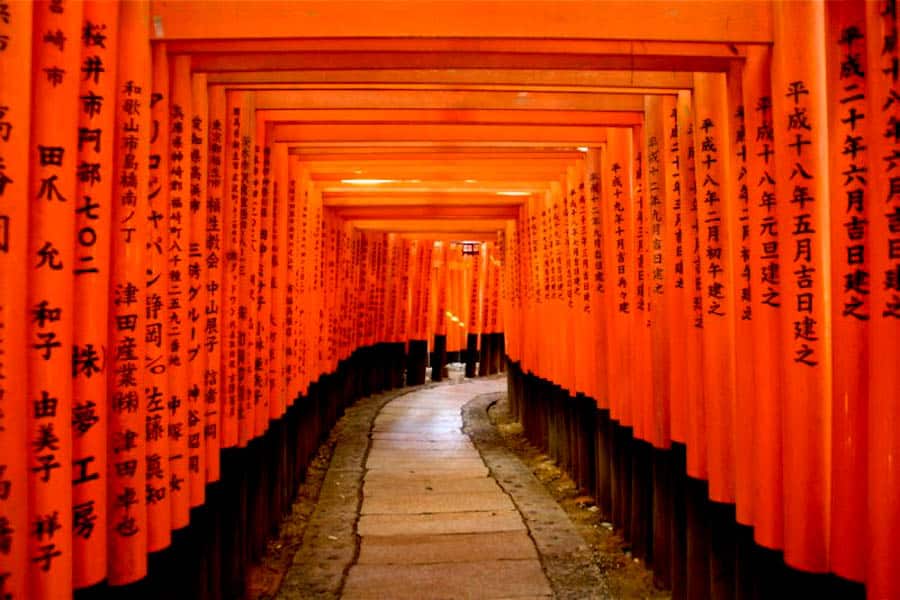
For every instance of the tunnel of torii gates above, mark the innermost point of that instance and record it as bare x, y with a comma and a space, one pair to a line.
678, 223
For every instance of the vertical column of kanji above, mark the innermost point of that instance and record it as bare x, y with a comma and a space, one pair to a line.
846, 72
658, 166
127, 519
298, 379
246, 292
695, 401
291, 282
425, 286
596, 277
15, 116
391, 296
278, 343
546, 361
799, 115
177, 291
766, 268
616, 166
51, 245
156, 353
676, 293
89, 385
715, 216
441, 289
561, 264
642, 387
197, 282
231, 226
585, 277
883, 214
316, 268
212, 255
261, 192
576, 348
745, 398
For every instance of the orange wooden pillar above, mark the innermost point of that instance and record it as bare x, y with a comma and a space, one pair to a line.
620, 310
156, 348
695, 402
291, 297
642, 384
127, 519
214, 257
15, 264
850, 285
767, 251
93, 225
51, 314
261, 191
246, 293
177, 291
676, 288
596, 232
715, 215
231, 204
745, 398
799, 116
278, 340
883, 214
198, 288
656, 113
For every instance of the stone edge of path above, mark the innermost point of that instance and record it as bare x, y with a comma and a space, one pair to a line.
330, 544
564, 555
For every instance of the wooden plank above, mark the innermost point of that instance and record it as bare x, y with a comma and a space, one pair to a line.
690, 20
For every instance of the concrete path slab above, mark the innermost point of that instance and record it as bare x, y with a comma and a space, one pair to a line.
463, 547
388, 502
477, 579
433, 523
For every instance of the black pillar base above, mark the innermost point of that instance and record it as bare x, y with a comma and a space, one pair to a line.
439, 357
415, 362
471, 354
694, 546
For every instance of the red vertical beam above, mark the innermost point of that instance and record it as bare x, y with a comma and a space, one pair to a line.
156, 349
291, 258
177, 291
597, 276
676, 288
263, 269
745, 398
94, 199
618, 190
846, 69
15, 156
695, 401
197, 111
127, 519
641, 382
51, 244
884, 236
214, 257
801, 134
767, 250
656, 119
246, 293
231, 223
278, 343
715, 200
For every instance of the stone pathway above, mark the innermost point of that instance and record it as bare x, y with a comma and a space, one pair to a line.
423, 500
433, 523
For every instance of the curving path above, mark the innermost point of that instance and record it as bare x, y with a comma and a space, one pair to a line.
433, 522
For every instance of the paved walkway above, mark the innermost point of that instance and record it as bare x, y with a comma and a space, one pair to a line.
433, 523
